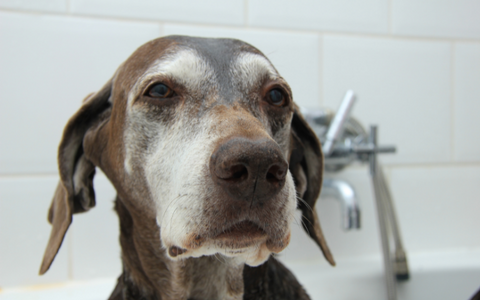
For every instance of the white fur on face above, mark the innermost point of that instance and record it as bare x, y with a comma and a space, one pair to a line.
250, 69
176, 162
184, 65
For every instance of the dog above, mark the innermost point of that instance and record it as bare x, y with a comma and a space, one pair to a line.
209, 156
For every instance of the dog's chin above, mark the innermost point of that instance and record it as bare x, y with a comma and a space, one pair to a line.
252, 248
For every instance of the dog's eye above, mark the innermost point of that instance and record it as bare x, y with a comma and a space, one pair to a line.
276, 97
160, 90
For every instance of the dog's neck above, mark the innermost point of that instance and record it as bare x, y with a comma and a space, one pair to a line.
208, 278
150, 274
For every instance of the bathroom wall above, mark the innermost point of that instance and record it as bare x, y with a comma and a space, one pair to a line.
415, 66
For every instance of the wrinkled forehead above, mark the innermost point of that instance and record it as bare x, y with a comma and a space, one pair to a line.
198, 63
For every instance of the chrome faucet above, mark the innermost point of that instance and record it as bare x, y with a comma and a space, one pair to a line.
344, 192
344, 140
333, 129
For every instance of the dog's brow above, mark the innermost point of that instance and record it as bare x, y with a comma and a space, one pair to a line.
185, 66
250, 68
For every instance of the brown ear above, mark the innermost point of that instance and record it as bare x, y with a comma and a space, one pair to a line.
74, 192
306, 166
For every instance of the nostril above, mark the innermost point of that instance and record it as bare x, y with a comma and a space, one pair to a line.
276, 173
239, 173
234, 173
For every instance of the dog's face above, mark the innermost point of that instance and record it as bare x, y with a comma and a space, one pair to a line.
207, 129
203, 136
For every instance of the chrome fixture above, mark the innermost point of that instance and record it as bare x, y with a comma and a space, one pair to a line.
335, 129
345, 193
344, 140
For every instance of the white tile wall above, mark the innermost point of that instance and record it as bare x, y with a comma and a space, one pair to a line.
95, 237
423, 197
50, 64
295, 55
433, 18
414, 65
90, 250
207, 11
59, 6
336, 15
403, 86
467, 102
24, 232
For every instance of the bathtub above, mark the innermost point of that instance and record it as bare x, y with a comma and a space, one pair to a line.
441, 276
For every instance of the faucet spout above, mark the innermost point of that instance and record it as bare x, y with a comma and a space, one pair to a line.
344, 192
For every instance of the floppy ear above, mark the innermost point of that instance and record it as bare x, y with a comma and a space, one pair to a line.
306, 166
74, 193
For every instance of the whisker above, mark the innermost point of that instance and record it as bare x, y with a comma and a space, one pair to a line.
303, 217
218, 258
305, 202
296, 222
305, 226
173, 215
176, 198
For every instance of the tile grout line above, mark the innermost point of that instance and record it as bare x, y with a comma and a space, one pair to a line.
28, 175
456, 164
452, 102
81, 16
321, 85
272, 29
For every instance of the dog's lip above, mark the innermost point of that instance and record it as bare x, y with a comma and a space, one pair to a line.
241, 232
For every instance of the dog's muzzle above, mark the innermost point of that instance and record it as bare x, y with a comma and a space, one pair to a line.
250, 170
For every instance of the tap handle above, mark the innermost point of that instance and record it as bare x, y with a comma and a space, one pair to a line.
336, 126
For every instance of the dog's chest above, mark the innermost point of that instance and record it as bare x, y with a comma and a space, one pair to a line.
210, 278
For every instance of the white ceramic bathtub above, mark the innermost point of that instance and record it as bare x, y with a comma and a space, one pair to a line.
440, 276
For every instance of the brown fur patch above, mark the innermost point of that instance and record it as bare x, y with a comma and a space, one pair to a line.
277, 247
194, 241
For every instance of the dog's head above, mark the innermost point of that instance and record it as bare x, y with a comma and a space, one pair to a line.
203, 136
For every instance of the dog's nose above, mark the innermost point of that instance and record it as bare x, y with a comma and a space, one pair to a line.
249, 169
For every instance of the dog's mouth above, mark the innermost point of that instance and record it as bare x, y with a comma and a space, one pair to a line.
245, 239
236, 238
245, 231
